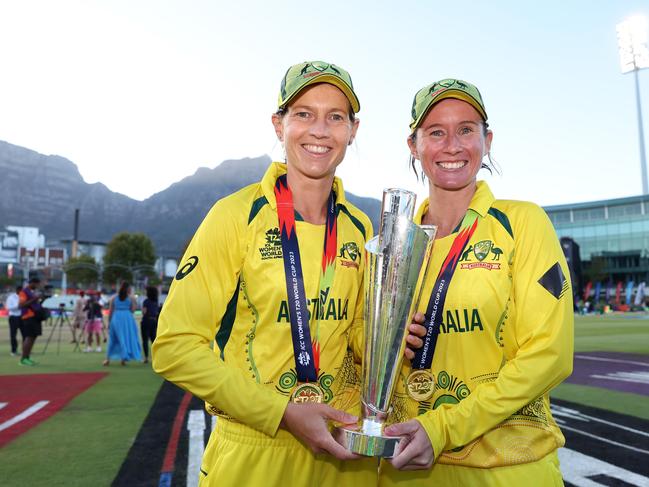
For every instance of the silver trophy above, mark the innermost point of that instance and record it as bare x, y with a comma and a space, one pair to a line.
397, 260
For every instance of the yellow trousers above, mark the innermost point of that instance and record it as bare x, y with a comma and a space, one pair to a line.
542, 473
237, 455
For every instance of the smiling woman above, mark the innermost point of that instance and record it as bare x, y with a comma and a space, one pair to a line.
315, 130
260, 279
504, 337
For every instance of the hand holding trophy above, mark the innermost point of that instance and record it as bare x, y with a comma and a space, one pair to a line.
396, 264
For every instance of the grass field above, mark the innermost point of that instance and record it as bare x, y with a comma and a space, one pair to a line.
87, 441
610, 333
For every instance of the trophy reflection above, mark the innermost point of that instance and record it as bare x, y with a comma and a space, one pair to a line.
396, 262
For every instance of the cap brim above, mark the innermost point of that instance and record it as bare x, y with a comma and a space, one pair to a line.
332, 80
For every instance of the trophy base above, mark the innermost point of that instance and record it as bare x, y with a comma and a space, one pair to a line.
368, 445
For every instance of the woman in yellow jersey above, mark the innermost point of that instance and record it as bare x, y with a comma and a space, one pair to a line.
499, 317
273, 277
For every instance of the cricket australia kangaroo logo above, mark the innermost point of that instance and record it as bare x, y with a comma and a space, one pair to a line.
349, 255
480, 251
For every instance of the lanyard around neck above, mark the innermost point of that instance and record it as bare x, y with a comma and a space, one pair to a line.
424, 356
305, 350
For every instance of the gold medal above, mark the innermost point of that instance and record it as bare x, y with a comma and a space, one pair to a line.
420, 385
308, 392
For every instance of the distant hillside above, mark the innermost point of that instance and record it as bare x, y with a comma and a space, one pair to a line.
43, 191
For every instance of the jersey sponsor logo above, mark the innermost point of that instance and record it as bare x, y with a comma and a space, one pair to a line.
349, 255
272, 248
480, 251
187, 267
461, 321
325, 308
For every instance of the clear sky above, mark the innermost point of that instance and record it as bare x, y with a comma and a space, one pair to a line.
140, 93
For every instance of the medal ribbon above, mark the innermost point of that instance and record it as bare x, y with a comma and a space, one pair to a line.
306, 351
424, 356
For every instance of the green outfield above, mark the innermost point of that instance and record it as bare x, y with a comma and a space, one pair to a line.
87, 441
628, 333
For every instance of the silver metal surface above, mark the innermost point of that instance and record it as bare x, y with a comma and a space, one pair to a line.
396, 264
366, 444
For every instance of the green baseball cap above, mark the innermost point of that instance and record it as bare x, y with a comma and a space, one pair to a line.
299, 76
440, 90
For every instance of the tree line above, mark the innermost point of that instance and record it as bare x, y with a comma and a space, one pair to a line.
128, 257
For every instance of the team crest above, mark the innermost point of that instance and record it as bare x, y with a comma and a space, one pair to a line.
320, 66
349, 255
482, 249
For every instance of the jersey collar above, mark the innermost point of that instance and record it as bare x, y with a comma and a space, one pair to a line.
482, 200
276, 169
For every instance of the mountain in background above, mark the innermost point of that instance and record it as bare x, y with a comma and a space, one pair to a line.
43, 191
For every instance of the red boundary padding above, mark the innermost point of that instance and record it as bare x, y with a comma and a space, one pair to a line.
21, 392
172, 446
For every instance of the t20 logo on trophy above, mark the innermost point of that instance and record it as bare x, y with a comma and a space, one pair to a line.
397, 260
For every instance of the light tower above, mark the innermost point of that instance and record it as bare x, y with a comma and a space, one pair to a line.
633, 41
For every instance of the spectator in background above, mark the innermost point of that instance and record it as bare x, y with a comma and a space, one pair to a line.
103, 303
149, 323
94, 323
122, 330
15, 323
31, 309
79, 317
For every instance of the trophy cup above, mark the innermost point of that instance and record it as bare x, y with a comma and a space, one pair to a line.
396, 263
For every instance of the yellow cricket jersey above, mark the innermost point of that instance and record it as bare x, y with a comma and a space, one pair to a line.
506, 339
230, 289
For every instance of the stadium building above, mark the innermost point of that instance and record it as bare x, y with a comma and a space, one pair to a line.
612, 238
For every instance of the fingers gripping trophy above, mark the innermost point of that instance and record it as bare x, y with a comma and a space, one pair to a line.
397, 260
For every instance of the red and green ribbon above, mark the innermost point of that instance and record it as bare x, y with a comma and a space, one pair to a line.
305, 350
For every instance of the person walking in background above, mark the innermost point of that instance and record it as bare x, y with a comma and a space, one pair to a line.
94, 323
15, 323
31, 316
500, 327
123, 344
79, 317
103, 303
149, 323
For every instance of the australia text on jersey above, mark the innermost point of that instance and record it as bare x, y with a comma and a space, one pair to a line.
325, 308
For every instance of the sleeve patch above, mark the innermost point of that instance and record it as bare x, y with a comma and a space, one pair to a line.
554, 281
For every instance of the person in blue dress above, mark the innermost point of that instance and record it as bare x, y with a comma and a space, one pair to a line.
123, 343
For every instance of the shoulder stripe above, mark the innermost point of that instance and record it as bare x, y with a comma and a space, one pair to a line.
223, 335
502, 218
256, 206
354, 220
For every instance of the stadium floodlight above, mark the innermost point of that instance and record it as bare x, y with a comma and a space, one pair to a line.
633, 43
